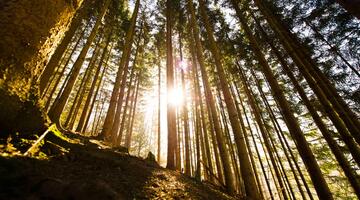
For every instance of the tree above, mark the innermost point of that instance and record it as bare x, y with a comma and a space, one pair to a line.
171, 116
23, 56
110, 116
58, 106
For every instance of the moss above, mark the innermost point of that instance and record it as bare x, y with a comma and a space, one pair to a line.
62, 136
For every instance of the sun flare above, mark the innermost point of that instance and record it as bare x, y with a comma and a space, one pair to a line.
175, 97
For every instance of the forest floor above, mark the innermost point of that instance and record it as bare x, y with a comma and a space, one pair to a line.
68, 166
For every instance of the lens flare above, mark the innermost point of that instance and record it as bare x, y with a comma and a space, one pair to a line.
175, 97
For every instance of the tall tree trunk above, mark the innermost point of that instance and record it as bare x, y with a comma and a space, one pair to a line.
200, 142
340, 126
318, 121
110, 114
186, 126
82, 88
198, 98
130, 129
105, 52
23, 51
216, 147
179, 138
278, 132
58, 79
117, 119
246, 170
127, 98
58, 107
96, 92
55, 58
224, 119
247, 140
256, 147
185, 114
303, 147
224, 154
321, 86
171, 115
263, 131
159, 113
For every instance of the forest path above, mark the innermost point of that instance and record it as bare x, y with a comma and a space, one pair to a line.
74, 167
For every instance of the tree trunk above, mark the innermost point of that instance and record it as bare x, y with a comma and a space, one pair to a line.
82, 88
303, 147
127, 98
247, 141
117, 119
256, 148
84, 113
198, 97
200, 142
246, 170
55, 58
23, 51
171, 115
320, 124
263, 131
224, 119
58, 107
58, 79
322, 87
159, 113
185, 115
130, 129
110, 114
96, 92
224, 154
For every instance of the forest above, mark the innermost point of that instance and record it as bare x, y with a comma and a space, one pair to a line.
180, 99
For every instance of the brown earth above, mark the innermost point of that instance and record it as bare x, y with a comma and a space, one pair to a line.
74, 167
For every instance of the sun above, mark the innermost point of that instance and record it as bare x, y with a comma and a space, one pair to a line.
175, 97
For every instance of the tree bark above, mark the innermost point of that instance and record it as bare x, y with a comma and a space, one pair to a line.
58, 79
84, 113
224, 154
130, 129
321, 86
55, 58
303, 147
246, 170
96, 94
171, 115
263, 131
58, 107
127, 98
159, 112
117, 119
24, 48
198, 97
318, 121
110, 114
82, 88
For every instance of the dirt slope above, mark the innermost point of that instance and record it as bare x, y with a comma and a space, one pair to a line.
79, 168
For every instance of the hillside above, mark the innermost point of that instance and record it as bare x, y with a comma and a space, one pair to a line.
75, 167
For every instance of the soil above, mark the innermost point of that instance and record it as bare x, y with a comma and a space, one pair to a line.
74, 167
